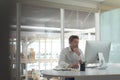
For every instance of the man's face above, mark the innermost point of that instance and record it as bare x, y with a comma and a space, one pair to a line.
74, 43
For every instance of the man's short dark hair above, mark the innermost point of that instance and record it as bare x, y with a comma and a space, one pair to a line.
72, 37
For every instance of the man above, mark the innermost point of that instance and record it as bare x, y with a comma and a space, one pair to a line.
72, 55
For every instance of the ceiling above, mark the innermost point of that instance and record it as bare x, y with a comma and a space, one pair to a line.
46, 13
38, 16
85, 5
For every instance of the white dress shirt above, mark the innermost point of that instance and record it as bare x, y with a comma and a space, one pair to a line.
67, 57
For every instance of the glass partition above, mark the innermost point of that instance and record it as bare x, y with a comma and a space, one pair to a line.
41, 31
109, 31
79, 23
40, 36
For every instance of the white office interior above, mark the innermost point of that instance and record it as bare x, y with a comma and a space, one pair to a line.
41, 28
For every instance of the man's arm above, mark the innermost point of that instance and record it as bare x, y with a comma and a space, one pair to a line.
77, 51
62, 59
74, 65
79, 54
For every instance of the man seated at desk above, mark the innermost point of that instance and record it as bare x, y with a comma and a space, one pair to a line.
72, 55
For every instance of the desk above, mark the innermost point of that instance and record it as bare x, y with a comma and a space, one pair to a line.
112, 72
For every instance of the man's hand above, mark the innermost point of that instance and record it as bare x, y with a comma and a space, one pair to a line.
77, 51
73, 65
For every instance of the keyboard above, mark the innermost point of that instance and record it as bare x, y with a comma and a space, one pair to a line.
62, 69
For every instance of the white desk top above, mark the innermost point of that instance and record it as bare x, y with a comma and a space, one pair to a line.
112, 69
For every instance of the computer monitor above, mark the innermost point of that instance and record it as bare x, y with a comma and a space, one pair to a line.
93, 48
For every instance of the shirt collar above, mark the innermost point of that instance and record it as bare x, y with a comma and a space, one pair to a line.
70, 49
